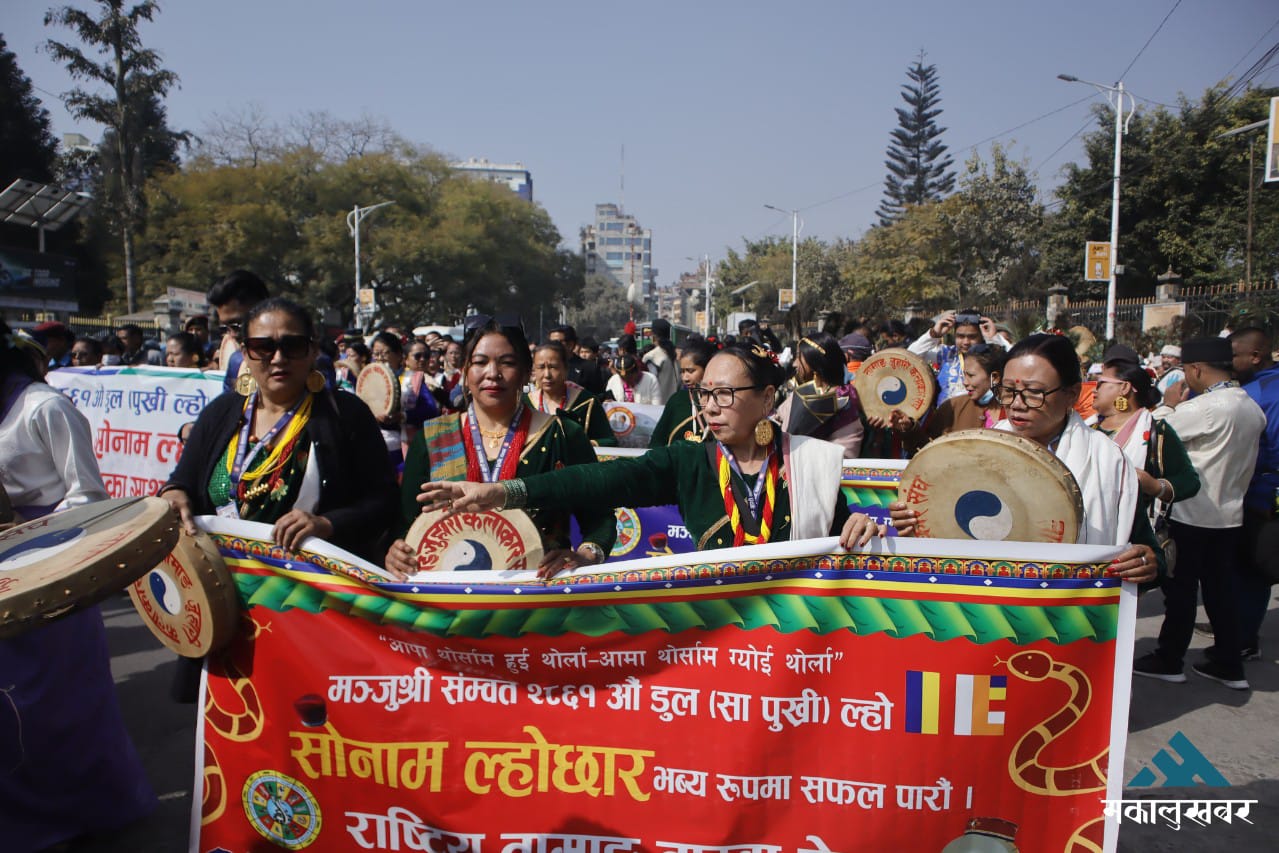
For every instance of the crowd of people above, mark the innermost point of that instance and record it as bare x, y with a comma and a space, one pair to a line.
1180, 447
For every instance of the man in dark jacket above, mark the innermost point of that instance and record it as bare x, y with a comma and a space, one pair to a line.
583, 372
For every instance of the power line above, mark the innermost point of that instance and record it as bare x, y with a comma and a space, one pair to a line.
1149, 40
1251, 49
1071, 139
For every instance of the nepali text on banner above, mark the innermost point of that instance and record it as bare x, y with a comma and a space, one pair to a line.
773, 698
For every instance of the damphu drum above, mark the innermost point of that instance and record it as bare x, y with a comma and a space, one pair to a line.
73, 559
188, 599
991, 485
895, 380
475, 541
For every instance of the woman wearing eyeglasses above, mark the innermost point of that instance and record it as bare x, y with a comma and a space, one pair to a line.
291, 453
750, 485
631, 383
822, 404
498, 437
681, 418
1038, 388
1123, 399
553, 393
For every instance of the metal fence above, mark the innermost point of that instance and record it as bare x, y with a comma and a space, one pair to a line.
96, 326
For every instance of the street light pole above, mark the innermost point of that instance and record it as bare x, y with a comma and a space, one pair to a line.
1115, 95
794, 252
707, 331
353, 220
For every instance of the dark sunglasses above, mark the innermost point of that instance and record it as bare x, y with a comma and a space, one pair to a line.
290, 346
419, 356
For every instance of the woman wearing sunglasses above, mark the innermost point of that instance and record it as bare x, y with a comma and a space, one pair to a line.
498, 437
1038, 389
750, 485
1123, 399
553, 393
291, 454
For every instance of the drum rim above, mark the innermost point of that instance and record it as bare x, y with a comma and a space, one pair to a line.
363, 381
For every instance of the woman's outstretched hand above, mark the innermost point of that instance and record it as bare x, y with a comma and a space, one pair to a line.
454, 496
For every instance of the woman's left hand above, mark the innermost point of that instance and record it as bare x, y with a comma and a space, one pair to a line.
297, 524
1136, 564
858, 530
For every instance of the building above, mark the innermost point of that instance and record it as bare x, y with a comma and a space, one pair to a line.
513, 175
616, 245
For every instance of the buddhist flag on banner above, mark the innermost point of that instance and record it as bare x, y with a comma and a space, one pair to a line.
923, 700
974, 697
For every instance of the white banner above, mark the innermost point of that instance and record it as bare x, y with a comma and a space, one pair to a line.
136, 414
632, 423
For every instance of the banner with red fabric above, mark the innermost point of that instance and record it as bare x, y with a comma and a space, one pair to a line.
775, 698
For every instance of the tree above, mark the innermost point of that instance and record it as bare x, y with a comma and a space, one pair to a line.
131, 112
996, 225
1183, 197
917, 160
601, 310
27, 147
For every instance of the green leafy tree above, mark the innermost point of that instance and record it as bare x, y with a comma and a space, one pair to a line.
1183, 198
918, 166
27, 147
601, 309
113, 57
996, 224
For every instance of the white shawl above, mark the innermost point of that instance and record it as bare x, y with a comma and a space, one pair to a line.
1137, 446
814, 469
1106, 479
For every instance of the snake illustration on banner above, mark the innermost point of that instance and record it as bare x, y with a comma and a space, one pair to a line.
213, 802
1023, 763
244, 724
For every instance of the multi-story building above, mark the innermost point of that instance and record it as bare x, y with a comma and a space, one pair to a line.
513, 175
616, 245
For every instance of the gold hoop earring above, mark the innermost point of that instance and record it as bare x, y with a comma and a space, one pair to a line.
315, 382
764, 433
1121, 404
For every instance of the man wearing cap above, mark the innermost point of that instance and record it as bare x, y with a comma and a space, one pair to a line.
1220, 427
1169, 368
1255, 368
57, 340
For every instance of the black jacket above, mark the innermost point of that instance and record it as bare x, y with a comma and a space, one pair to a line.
586, 373
358, 494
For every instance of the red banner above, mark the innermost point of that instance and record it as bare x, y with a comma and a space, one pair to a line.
805, 702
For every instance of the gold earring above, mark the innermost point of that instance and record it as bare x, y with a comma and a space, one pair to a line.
246, 385
764, 433
1121, 404
315, 382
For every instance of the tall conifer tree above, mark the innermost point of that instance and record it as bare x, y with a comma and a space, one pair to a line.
918, 166
27, 148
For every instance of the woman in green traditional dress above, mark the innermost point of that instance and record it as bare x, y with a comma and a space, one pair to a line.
497, 438
749, 485
554, 394
681, 419
291, 454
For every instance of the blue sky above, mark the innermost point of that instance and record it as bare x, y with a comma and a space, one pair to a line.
723, 107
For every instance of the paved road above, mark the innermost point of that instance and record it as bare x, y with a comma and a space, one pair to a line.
1237, 732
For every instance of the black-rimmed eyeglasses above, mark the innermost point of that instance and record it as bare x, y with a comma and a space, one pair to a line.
724, 396
1032, 398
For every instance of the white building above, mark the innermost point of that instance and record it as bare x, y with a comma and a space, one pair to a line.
513, 175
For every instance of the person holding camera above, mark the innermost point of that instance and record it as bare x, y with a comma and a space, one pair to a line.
970, 328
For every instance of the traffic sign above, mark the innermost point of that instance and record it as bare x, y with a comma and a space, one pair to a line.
1097, 263
1272, 142
785, 299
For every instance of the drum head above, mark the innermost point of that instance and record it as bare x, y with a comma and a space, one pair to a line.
73, 559
475, 541
379, 389
985, 484
189, 600
895, 380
